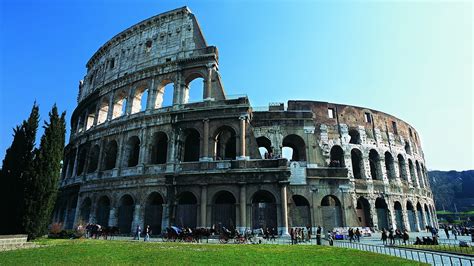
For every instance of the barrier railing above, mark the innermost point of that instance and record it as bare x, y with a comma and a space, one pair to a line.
432, 258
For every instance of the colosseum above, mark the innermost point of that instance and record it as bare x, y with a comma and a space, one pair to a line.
141, 153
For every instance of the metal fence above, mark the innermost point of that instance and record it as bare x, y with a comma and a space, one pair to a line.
432, 258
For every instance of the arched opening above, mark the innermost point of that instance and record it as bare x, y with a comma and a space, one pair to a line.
85, 211
355, 136
103, 111
300, 214
93, 159
159, 148
336, 157
186, 211
407, 147
357, 164
264, 211
191, 145
103, 211
120, 105
139, 100
90, 117
420, 176
194, 89
154, 212
125, 214
132, 151
265, 147
374, 162
225, 147
81, 160
110, 157
382, 213
70, 212
164, 94
419, 214
412, 172
331, 212
398, 215
223, 210
411, 216
70, 165
389, 166
296, 143
428, 216
363, 212
402, 168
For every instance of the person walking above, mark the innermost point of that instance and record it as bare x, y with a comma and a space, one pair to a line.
330, 239
391, 237
351, 234
358, 234
138, 231
384, 236
318, 235
446, 231
406, 237
147, 233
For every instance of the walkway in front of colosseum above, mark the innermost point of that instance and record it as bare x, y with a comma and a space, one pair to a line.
374, 241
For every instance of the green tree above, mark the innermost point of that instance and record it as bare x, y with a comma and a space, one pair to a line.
17, 164
42, 184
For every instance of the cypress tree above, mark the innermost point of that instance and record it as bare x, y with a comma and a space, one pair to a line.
42, 184
17, 163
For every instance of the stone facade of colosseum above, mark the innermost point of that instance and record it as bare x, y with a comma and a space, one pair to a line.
141, 153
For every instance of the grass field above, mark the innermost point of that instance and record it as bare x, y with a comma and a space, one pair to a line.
99, 252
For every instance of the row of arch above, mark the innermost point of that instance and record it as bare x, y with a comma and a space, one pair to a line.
293, 147
375, 166
144, 96
263, 204
88, 159
356, 139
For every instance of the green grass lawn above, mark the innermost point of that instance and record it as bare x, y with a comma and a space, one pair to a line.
99, 252
449, 248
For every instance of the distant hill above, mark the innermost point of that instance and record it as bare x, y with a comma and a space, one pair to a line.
453, 190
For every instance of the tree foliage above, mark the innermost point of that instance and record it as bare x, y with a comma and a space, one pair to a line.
42, 185
17, 165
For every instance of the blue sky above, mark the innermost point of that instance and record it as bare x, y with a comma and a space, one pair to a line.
411, 59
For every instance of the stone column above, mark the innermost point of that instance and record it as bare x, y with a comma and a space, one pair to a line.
77, 213
165, 216
425, 220
110, 112
417, 222
206, 156
203, 205
74, 169
92, 218
208, 85
137, 217
373, 213
243, 120
284, 209
143, 146
243, 206
150, 101
112, 217
406, 221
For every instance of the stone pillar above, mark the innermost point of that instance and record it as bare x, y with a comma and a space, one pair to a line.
92, 217
417, 222
206, 156
112, 217
284, 209
110, 112
243, 206
373, 213
137, 218
74, 169
425, 219
243, 120
203, 205
143, 147
406, 222
165, 216
77, 214
208, 85
150, 101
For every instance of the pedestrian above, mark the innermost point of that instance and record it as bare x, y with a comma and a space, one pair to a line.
455, 233
446, 231
318, 235
351, 234
384, 236
358, 234
391, 237
330, 239
406, 237
147, 233
138, 231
